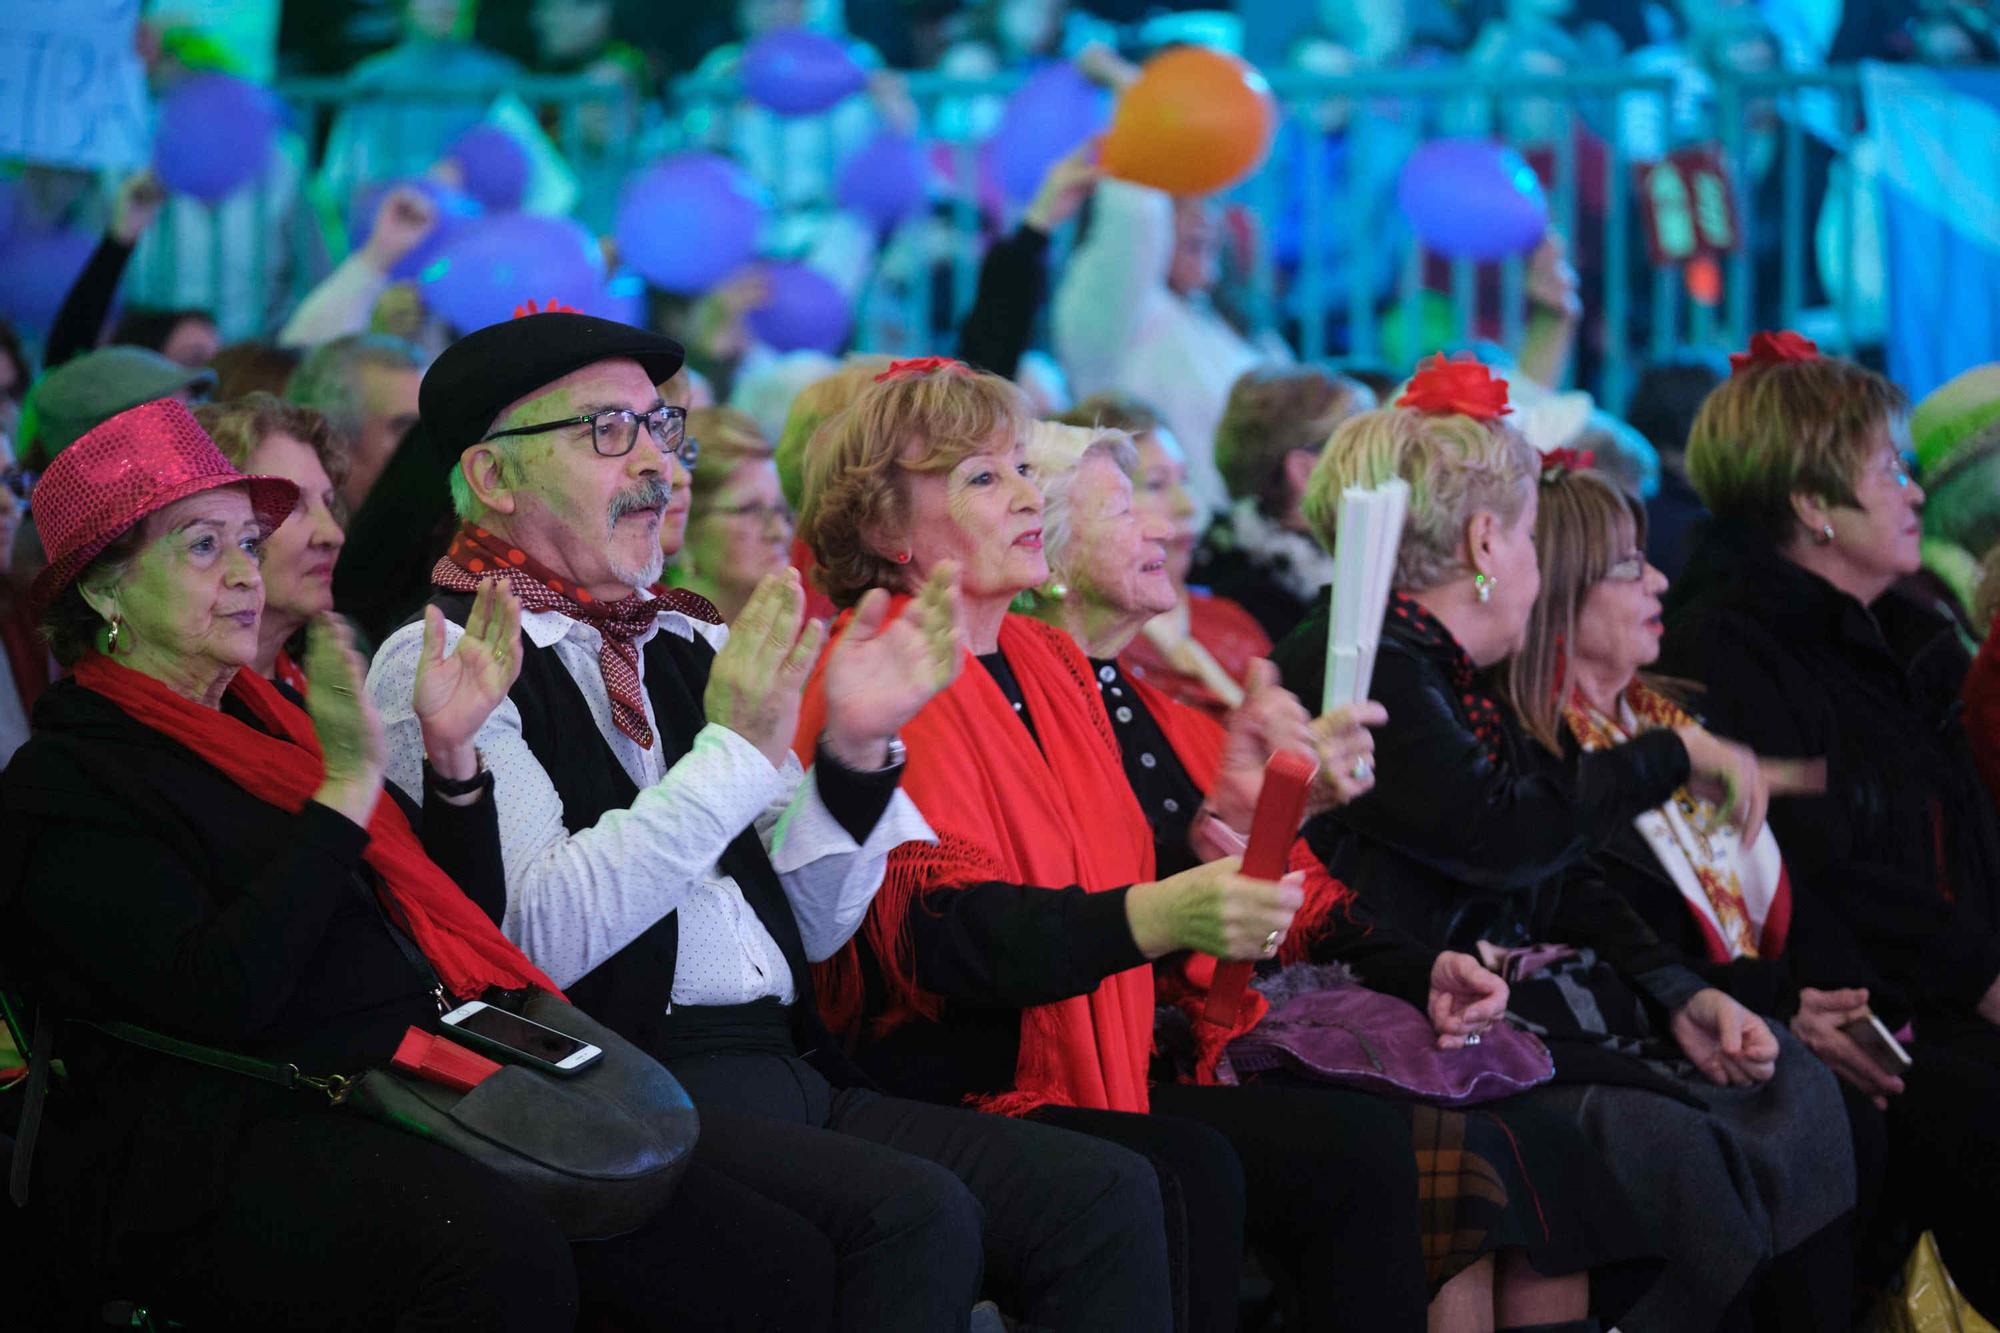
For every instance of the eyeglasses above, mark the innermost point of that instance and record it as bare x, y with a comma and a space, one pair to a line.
1628, 569
614, 432
757, 513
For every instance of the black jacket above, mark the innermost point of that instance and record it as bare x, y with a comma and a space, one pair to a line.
139, 883
1903, 849
1013, 282
1453, 847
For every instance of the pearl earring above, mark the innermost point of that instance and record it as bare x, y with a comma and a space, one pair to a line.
1482, 588
1826, 534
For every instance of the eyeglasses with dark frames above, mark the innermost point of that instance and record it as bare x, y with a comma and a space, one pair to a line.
614, 432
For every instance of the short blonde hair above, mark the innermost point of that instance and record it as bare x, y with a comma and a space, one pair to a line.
1056, 451
1455, 465
1772, 431
810, 409
853, 475
238, 427
1271, 412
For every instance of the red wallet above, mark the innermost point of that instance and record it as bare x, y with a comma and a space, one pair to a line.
429, 1056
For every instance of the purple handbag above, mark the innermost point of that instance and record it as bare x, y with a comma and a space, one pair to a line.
1326, 1027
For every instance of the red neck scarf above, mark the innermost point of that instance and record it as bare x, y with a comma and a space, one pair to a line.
1006, 810
476, 553
285, 768
286, 672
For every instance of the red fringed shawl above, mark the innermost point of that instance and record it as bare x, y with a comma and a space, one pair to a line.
1005, 810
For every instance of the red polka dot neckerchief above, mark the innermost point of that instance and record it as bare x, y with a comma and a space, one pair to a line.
1415, 622
476, 554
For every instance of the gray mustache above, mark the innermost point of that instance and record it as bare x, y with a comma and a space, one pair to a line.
653, 493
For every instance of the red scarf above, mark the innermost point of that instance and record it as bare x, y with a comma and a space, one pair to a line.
476, 553
286, 672
1006, 810
284, 768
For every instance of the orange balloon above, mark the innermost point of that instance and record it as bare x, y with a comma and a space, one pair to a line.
1195, 121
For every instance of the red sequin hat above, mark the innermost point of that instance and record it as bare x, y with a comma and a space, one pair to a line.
132, 465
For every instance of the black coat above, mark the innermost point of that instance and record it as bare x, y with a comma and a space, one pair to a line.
1902, 851
1455, 847
138, 883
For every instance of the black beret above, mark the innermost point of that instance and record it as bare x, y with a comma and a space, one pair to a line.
478, 376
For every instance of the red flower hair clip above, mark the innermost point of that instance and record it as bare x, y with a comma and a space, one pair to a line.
1456, 388
1556, 463
552, 308
917, 367
1774, 349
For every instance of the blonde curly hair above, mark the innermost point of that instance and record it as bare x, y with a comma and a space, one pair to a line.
1455, 465
854, 465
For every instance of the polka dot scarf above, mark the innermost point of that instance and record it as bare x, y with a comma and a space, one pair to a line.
1416, 623
477, 554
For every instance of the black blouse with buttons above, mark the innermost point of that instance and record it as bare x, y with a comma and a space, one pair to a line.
1165, 791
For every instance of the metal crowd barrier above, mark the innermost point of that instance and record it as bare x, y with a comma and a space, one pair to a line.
1336, 258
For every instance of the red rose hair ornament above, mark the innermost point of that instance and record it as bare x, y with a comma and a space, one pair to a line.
1556, 463
917, 367
1456, 388
1774, 349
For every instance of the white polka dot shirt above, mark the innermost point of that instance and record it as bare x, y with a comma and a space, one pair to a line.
574, 900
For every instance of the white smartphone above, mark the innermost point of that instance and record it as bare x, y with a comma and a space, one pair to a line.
513, 1037
1879, 1044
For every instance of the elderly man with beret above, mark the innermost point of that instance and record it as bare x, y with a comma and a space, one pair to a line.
670, 864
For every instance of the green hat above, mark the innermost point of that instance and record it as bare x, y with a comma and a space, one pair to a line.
91, 389
1954, 412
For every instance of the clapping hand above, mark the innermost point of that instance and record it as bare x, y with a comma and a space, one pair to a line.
1466, 999
881, 672
758, 677
1270, 718
1725, 1041
344, 719
456, 693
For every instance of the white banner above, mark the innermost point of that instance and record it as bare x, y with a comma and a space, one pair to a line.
72, 90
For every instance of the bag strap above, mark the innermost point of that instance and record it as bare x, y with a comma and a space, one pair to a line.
287, 1076
31, 1107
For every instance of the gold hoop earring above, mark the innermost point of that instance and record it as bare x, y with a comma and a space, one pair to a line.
1482, 588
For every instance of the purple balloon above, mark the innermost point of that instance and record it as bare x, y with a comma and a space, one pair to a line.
1054, 112
798, 72
36, 270
689, 221
493, 167
622, 298
214, 135
505, 260
887, 180
455, 212
1472, 199
803, 311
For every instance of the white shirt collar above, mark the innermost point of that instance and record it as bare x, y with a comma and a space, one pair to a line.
546, 628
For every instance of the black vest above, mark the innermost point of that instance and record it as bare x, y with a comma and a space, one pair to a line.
630, 990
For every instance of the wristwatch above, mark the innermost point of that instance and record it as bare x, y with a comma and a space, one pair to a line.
450, 787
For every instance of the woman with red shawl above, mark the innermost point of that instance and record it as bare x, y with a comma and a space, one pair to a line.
1006, 964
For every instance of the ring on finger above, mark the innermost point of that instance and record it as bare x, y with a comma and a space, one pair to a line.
1362, 769
1270, 944
1472, 1039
